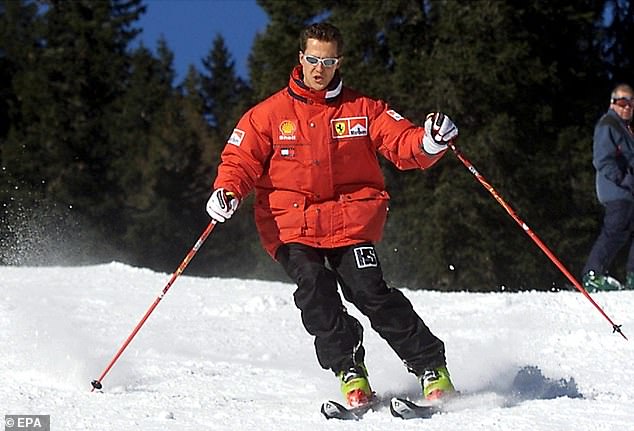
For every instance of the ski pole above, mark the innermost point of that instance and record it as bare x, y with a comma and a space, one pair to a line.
96, 384
532, 235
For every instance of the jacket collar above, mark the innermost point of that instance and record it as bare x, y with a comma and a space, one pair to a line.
299, 90
626, 124
613, 113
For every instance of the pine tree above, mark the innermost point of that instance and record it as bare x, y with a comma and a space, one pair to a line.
56, 147
506, 74
224, 91
226, 97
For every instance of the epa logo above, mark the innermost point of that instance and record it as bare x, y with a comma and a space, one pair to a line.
366, 257
27, 422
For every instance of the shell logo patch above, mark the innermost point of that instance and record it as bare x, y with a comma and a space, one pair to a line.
287, 130
287, 127
349, 127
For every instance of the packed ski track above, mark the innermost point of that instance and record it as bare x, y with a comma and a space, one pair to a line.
230, 354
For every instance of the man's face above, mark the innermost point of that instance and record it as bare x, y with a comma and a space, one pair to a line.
318, 76
623, 105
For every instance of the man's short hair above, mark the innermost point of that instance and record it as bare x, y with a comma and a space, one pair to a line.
620, 88
324, 32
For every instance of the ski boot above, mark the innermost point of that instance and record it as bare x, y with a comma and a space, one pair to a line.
594, 282
436, 383
355, 386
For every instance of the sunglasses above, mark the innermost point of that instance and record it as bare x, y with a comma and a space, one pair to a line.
326, 62
624, 101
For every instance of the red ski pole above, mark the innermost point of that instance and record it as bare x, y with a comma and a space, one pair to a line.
96, 384
532, 235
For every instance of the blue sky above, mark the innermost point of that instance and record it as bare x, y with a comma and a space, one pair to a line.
190, 26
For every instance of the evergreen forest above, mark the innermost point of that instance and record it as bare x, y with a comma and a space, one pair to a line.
105, 156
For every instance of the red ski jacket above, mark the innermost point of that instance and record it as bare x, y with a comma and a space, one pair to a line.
312, 157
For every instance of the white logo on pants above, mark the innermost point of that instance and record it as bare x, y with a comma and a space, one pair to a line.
366, 257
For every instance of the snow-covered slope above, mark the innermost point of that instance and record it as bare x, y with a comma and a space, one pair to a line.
229, 354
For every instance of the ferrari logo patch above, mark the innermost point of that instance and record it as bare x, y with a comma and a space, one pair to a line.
349, 127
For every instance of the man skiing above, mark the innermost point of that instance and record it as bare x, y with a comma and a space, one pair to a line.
310, 152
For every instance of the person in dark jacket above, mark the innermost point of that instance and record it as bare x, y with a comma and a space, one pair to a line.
613, 159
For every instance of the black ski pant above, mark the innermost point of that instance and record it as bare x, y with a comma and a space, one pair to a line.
339, 336
617, 229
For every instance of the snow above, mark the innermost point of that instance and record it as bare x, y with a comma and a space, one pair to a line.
230, 354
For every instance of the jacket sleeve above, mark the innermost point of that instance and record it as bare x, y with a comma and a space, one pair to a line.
245, 154
605, 151
399, 140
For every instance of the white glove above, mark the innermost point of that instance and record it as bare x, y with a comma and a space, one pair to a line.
439, 130
221, 205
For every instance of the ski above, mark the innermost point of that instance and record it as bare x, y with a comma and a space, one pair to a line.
399, 408
333, 410
405, 409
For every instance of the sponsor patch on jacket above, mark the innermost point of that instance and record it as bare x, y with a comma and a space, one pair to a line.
287, 152
287, 130
349, 127
392, 113
236, 137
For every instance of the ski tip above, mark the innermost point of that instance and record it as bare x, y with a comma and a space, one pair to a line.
405, 409
333, 410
